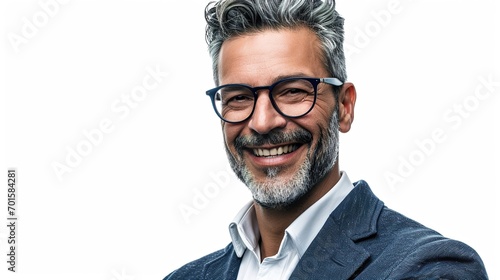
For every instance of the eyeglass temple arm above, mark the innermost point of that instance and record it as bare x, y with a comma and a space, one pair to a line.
332, 81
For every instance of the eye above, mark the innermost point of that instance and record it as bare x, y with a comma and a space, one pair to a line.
236, 97
234, 102
293, 91
239, 98
293, 87
291, 95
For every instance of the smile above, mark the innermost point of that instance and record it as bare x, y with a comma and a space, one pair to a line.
275, 151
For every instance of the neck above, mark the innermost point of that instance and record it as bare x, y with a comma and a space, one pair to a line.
273, 222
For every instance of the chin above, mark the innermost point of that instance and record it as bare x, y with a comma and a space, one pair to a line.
281, 193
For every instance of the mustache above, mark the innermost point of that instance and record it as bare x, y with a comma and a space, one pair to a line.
274, 137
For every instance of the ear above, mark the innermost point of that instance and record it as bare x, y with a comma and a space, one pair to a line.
347, 100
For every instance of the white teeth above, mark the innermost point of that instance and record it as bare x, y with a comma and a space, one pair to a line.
274, 151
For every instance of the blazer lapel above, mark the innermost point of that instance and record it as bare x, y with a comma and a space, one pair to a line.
227, 265
334, 254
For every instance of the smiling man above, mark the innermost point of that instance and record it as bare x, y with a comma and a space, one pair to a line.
283, 98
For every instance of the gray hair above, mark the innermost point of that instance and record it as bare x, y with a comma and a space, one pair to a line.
229, 18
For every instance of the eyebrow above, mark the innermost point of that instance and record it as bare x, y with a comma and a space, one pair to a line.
277, 78
294, 75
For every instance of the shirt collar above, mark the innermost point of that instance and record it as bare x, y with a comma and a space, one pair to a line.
244, 230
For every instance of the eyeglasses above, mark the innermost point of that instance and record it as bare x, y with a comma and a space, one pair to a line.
291, 97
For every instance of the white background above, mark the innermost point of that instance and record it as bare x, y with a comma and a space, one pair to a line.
117, 214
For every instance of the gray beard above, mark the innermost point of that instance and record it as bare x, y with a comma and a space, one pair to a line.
279, 193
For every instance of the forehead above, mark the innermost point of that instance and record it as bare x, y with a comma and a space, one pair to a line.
257, 58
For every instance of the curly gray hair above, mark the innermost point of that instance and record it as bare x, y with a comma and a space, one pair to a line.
228, 18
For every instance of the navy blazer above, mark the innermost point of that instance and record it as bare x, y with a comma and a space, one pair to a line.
362, 239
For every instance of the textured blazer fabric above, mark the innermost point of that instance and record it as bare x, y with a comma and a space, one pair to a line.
362, 239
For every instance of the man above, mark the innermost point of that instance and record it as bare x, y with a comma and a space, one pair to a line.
282, 96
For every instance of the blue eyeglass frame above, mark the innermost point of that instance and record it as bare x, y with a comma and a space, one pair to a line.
254, 90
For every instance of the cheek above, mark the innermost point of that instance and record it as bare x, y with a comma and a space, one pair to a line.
317, 120
317, 123
323, 110
230, 132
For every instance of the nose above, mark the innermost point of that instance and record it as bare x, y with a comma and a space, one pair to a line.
265, 118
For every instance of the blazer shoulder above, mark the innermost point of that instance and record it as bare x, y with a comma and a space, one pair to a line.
196, 268
423, 252
441, 258
400, 247
414, 251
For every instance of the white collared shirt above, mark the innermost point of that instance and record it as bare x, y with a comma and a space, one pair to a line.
298, 236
